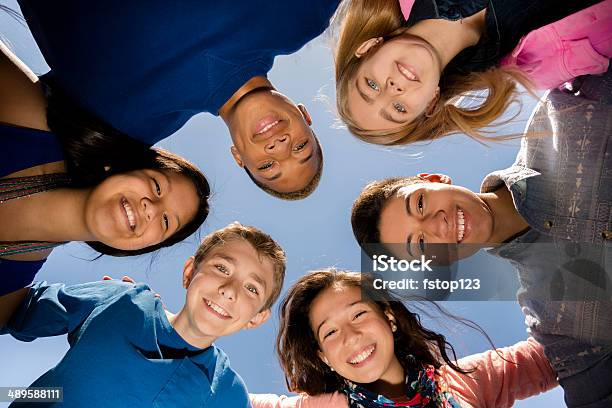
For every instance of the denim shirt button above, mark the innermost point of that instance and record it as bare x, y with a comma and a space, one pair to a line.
607, 235
548, 224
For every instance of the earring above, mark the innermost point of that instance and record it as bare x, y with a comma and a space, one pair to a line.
107, 168
332, 368
393, 326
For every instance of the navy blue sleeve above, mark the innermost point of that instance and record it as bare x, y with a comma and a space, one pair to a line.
51, 310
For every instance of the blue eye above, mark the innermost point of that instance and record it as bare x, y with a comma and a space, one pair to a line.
372, 84
399, 107
222, 269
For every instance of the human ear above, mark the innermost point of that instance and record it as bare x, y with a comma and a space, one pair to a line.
392, 320
259, 319
188, 271
436, 178
366, 46
237, 156
322, 357
305, 113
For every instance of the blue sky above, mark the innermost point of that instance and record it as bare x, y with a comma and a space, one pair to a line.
314, 232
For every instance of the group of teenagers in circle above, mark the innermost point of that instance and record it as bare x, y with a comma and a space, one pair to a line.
78, 165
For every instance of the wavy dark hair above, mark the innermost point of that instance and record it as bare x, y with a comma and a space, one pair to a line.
297, 347
94, 151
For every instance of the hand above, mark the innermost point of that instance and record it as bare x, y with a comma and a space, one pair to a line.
125, 279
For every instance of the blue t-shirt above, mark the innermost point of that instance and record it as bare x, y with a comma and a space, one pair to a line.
146, 67
23, 148
123, 350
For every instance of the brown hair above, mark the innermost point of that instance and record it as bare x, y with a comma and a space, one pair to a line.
365, 214
299, 194
261, 242
297, 346
367, 19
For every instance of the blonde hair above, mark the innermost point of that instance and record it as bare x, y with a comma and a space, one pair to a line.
259, 240
367, 19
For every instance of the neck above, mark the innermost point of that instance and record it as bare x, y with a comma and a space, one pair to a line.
507, 220
257, 82
186, 328
449, 38
62, 211
392, 383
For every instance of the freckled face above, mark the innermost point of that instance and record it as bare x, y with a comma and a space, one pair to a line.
141, 208
394, 84
355, 337
228, 289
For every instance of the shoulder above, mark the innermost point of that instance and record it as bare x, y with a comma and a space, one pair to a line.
230, 387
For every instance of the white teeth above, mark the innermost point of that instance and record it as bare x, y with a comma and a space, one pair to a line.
130, 214
363, 355
268, 127
407, 73
460, 225
217, 308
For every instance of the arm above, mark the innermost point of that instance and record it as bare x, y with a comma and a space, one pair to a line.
498, 383
335, 400
22, 102
51, 310
9, 303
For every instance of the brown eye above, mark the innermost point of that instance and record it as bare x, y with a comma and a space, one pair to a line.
157, 187
420, 204
166, 223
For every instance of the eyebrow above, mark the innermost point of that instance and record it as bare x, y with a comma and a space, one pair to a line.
363, 95
385, 115
274, 177
228, 258
409, 239
323, 322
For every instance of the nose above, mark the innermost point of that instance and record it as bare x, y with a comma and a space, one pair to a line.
150, 208
352, 335
227, 291
278, 144
394, 86
437, 225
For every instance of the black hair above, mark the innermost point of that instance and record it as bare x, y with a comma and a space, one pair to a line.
94, 151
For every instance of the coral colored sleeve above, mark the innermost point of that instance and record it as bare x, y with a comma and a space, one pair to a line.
497, 383
335, 400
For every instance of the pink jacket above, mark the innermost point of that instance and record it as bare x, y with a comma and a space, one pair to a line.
495, 383
577, 45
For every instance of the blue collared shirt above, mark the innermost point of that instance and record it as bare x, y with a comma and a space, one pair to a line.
146, 67
123, 350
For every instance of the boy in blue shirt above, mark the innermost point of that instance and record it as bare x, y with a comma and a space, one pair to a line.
146, 67
127, 350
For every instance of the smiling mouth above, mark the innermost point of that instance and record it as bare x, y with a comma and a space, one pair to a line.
363, 356
129, 213
408, 72
217, 310
460, 225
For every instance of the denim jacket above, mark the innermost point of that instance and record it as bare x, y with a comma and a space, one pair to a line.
506, 22
561, 184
